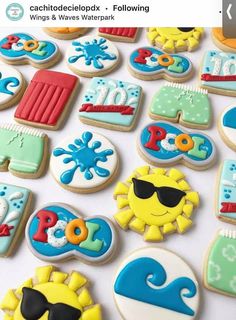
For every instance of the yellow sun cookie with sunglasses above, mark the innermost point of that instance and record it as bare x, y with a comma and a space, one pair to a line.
51, 295
155, 202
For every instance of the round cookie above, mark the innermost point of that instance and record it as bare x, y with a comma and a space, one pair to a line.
65, 33
92, 56
153, 283
227, 126
84, 163
225, 44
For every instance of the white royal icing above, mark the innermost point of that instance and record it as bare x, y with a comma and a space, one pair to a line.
7, 73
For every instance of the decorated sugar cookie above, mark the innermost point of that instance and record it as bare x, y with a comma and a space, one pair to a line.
180, 103
220, 264
175, 39
23, 151
111, 104
12, 86
148, 63
225, 44
227, 126
119, 34
84, 162
218, 74
47, 99
92, 56
51, 295
155, 202
153, 283
22, 48
14, 210
65, 33
52, 235
163, 143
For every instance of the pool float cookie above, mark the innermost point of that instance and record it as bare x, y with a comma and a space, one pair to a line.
175, 39
47, 99
119, 34
65, 33
149, 63
220, 264
111, 104
227, 126
184, 104
162, 143
154, 283
92, 56
22, 48
51, 295
225, 44
84, 163
155, 202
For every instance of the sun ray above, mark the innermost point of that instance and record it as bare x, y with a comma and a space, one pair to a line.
27, 284
85, 298
176, 174
188, 210
77, 281
137, 225
123, 218
59, 277
121, 188
43, 273
193, 197
169, 228
10, 301
122, 202
153, 234
184, 185
183, 223
93, 313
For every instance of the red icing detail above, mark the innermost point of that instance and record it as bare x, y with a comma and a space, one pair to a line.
47, 219
124, 110
228, 207
142, 54
120, 32
46, 97
10, 40
209, 77
157, 134
5, 230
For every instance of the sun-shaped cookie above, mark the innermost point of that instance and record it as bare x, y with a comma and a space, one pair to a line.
155, 202
175, 39
51, 295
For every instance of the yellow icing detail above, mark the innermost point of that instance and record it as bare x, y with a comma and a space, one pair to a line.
28, 284
180, 44
123, 218
197, 35
84, 298
184, 185
193, 197
142, 171
176, 174
188, 210
76, 281
152, 35
193, 43
10, 301
153, 234
7, 317
93, 313
43, 273
159, 171
169, 228
122, 202
120, 188
183, 224
59, 277
137, 225
133, 175
169, 45
160, 39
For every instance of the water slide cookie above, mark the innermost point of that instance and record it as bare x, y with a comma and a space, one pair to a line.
175, 39
155, 202
227, 126
52, 235
225, 44
12, 86
22, 48
51, 295
119, 34
47, 99
154, 283
92, 56
148, 63
218, 74
84, 163
184, 104
65, 33
23, 151
220, 264
161, 143
14, 210
111, 104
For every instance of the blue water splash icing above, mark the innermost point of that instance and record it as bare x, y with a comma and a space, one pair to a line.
229, 119
8, 82
84, 157
132, 282
92, 52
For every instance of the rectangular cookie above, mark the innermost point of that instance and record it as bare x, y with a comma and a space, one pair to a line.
119, 34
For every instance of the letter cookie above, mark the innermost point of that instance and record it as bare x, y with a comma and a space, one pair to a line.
227, 126
119, 34
225, 44
65, 33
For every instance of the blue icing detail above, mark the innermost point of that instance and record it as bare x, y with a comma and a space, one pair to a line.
133, 282
229, 119
5, 83
84, 158
92, 52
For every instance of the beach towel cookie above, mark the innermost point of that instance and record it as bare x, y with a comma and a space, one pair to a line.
189, 106
223, 43
175, 39
65, 33
84, 163
51, 295
149, 63
154, 283
119, 34
22, 48
111, 104
92, 56
155, 202
47, 99
227, 126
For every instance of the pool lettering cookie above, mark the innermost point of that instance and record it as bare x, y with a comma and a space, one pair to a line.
92, 56
47, 99
51, 295
22, 48
220, 264
227, 126
147, 286
175, 39
155, 202
65, 33
119, 34
84, 163
111, 104
225, 44
184, 104
149, 63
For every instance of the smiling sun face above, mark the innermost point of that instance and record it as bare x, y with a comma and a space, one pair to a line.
51, 295
155, 202
175, 39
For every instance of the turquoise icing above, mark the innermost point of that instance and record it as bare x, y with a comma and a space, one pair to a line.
229, 119
7, 83
134, 282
